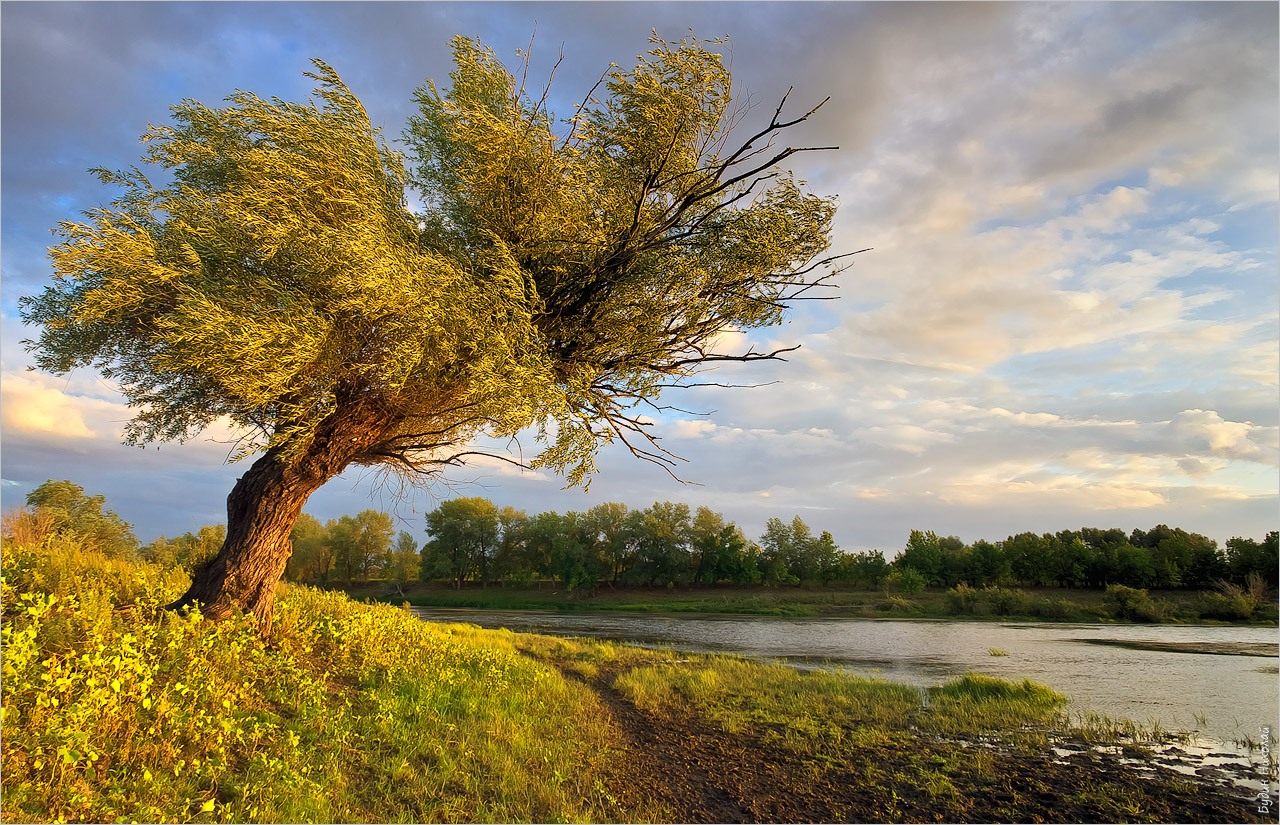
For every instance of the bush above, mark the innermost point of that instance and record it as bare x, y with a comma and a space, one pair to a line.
1134, 604
1233, 602
1052, 609
962, 599
1231, 607
904, 580
1007, 602
899, 604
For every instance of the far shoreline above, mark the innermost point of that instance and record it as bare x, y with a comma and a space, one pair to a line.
1064, 606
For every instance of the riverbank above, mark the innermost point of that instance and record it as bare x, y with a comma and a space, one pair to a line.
115, 710
1045, 605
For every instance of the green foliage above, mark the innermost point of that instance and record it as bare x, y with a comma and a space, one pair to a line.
791, 554
962, 599
361, 544
1053, 609
312, 559
1135, 604
562, 272
1006, 602
723, 553
1233, 602
661, 534
924, 555
464, 540
188, 550
866, 569
81, 518
115, 710
1245, 556
666, 545
1230, 607
405, 560
280, 268
904, 580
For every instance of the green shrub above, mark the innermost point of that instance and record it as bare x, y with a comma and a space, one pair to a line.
1234, 608
116, 710
1233, 602
1006, 602
900, 604
962, 599
1134, 604
904, 580
1052, 609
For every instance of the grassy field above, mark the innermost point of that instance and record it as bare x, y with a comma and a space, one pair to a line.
115, 710
997, 604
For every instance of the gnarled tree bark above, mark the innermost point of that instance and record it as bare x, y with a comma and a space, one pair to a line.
263, 507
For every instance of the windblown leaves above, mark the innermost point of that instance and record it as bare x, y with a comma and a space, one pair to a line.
280, 264
562, 273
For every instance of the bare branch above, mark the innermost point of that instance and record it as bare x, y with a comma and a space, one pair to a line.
750, 355
573, 121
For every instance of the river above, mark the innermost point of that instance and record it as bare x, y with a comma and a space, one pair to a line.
1222, 697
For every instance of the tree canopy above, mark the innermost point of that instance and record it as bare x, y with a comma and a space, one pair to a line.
563, 272
73, 513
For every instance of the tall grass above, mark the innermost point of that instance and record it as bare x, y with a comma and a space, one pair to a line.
114, 709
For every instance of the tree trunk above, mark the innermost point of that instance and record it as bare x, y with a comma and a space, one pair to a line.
263, 508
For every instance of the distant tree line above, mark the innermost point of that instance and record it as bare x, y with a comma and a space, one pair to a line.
473, 541
665, 544
1162, 557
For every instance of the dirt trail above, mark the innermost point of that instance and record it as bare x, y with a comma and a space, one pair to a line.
683, 768
668, 762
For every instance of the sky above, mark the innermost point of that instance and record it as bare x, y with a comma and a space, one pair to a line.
1069, 315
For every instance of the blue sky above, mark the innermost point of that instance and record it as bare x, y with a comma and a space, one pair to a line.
1070, 315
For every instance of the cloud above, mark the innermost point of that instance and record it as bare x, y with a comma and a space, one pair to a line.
35, 405
1206, 430
1060, 491
1068, 316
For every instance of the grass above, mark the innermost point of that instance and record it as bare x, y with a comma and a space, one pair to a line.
997, 604
818, 710
972, 749
114, 710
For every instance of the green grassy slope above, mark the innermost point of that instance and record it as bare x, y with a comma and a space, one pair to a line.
114, 710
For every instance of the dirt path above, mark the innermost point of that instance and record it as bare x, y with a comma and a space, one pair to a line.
683, 768
668, 762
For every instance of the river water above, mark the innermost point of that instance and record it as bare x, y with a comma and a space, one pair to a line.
1222, 697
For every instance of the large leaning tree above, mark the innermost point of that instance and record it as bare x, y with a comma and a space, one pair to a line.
559, 274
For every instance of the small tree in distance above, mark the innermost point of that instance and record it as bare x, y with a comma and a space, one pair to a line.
72, 512
562, 274
403, 565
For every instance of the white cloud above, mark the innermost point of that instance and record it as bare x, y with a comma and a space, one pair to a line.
37, 405
1068, 315
1059, 491
1110, 213
1206, 430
